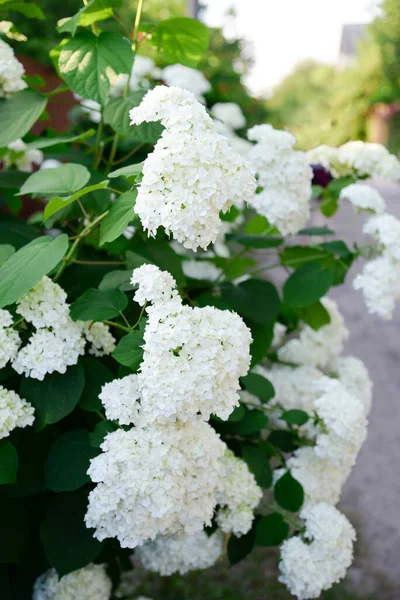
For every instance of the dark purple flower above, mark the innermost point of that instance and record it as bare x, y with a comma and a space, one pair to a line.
321, 176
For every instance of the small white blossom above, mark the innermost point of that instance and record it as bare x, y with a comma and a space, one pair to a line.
188, 79
353, 375
317, 348
50, 163
9, 338
230, 114
91, 108
89, 583
285, 176
168, 555
203, 270
380, 284
11, 72
99, 336
324, 155
23, 159
385, 229
157, 481
363, 197
308, 567
238, 497
120, 399
45, 305
14, 412
143, 68
238, 144
153, 284
278, 335
192, 174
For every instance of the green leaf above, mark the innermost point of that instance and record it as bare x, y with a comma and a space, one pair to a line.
297, 256
66, 179
306, 285
67, 543
240, 547
14, 530
56, 396
258, 464
96, 375
25, 268
271, 530
237, 413
254, 299
91, 64
252, 422
57, 203
258, 225
18, 114
68, 461
284, 440
116, 114
28, 9
288, 493
295, 417
181, 40
100, 431
129, 171
98, 305
329, 204
120, 215
315, 315
262, 340
259, 386
257, 241
316, 231
41, 143
8, 462
12, 179
16, 232
6, 250
120, 280
129, 351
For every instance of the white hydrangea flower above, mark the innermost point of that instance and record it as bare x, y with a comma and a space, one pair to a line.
308, 567
48, 351
353, 375
380, 284
326, 156
11, 72
388, 168
91, 108
50, 163
285, 176
188, 79
238, 497
14, 412
192, 362
9, 338
157, 481
230, 114
153, 284
317, 348
23, 159
238, 144
321, 480
168, 555
100, 337
363, 197
89, 583
120, 399
45, 305
192, 174
385, 229
344, 423
278, 335
203, 270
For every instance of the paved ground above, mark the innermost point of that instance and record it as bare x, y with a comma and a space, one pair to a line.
371, 497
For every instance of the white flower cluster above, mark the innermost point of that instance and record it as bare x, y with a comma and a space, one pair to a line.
160, 480
192, 174
9, 338
14, 412
23, 159
363, 197
204, 270
317, 348
11, 72
313, 564
361, 159
238, 497
89, 583
380, 278
285, 176
188, 79
168, 555
230, 114
58, 341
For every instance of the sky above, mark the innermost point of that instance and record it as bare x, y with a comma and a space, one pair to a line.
284, 32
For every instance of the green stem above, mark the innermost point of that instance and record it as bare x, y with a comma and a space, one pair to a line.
113, 152
297, 524
129, 155
99, 414
18, 322
99, 147
135, 32
268, 268
140, 316
117, 325
125, 320
75, 245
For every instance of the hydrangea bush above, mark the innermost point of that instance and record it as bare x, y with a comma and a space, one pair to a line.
161, 396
